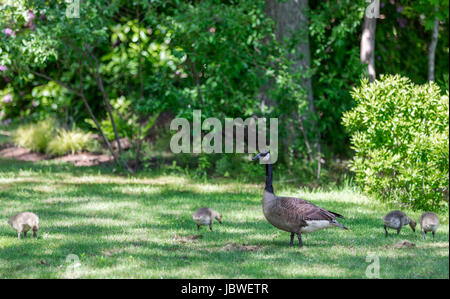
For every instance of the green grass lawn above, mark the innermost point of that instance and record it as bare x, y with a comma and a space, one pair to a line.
125, 227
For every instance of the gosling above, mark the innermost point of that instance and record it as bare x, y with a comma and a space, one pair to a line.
429, 222
206, 216
23, 222
396, 220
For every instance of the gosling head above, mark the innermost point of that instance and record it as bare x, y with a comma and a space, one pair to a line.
219, 218
413, 224
265, 157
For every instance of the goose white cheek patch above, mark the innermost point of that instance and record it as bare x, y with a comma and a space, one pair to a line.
266, 158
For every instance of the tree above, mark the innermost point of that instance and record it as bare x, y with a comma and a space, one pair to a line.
60, 48
368, 38
291, 31
431, 13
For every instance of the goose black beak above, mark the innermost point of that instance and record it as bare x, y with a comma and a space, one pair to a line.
256, 157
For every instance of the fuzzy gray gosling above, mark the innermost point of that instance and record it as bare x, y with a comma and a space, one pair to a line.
23, 222
429, 222
206, 216
396, 220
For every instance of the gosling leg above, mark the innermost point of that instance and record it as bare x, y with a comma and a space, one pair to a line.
198, 227
423, 234
433, 235
385, 229
292, 239
18, 235
210, 226
24, 234
35, 233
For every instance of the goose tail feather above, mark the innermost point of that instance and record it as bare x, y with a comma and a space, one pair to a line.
337, 215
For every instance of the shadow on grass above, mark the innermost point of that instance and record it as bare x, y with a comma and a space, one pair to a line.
105, 224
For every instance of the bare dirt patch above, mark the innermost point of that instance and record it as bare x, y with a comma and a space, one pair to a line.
85, 159
185, 239
78, 159
21, 154
404, 244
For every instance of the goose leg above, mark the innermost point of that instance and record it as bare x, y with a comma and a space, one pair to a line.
292, 239
399, 229
385, 229
299, 236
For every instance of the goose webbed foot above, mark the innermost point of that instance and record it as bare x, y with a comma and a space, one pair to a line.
292, 239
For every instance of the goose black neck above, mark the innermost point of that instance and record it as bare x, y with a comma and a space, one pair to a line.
269, 187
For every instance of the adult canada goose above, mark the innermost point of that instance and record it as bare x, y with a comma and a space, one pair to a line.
291, 214
429, 222
396, 220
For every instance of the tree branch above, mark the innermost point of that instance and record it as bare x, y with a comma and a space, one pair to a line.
56, 81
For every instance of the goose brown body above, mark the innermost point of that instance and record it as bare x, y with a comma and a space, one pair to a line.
296, 215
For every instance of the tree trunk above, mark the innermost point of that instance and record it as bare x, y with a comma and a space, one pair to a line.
106, 101
291, 23
432, 48
367, 54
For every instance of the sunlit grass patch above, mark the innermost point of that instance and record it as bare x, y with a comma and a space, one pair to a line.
141, 227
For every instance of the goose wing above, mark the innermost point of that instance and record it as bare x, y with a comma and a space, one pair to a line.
302, 210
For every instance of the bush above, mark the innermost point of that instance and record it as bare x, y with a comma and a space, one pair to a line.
69, 142
44, 136
35, 137
400, 134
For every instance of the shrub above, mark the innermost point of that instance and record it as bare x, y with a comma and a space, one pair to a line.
35, 137
69, 142
400, 134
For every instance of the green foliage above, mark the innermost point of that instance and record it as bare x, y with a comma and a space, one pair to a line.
335, 44
400, 134
403, 37
35, 136
52, 100
71, 141
217, 55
